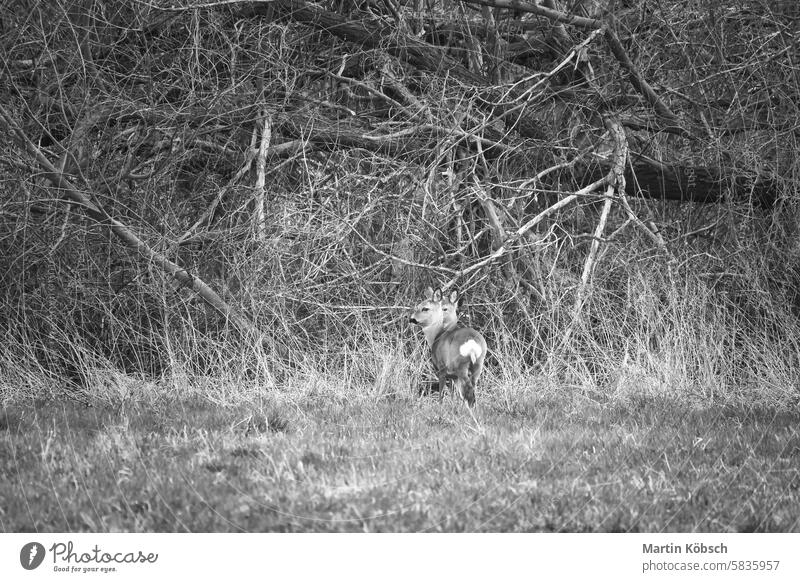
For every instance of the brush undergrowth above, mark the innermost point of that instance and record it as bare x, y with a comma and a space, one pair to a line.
655, 417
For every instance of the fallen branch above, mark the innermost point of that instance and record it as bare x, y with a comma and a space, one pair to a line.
636, 79
123, 232
554, 15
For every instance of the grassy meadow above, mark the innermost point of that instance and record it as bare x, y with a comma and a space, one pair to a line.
665, 411
661, 408
331, 451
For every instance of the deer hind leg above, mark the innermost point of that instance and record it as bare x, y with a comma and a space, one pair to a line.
466, 388
442, 384
475, 372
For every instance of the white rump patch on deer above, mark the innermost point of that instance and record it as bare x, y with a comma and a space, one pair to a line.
471, 349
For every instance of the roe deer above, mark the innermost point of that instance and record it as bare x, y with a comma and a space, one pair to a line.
457, 352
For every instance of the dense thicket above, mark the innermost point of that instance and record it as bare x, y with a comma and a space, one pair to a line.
180, 180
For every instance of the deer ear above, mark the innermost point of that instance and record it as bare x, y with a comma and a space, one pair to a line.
437, 295
429, 292
454, 297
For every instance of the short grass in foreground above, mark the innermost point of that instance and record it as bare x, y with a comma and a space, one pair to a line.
393, 463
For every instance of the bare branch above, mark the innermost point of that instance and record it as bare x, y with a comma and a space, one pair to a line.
616, 182
124, 233
261, 173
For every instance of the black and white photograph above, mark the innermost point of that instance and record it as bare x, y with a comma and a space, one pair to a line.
399, 266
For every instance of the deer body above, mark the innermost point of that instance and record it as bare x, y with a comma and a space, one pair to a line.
457, 352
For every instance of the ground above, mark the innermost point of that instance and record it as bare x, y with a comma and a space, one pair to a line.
352, 460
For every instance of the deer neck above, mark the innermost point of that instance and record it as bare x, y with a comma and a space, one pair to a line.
432, 333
